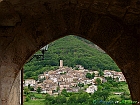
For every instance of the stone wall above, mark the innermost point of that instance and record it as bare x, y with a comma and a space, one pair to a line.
28, 25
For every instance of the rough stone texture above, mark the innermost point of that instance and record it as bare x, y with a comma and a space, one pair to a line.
28, 25
8, 16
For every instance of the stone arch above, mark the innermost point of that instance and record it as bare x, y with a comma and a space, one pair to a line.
26, 26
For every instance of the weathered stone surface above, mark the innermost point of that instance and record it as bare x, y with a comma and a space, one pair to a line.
8, 17
99, 6
28, 25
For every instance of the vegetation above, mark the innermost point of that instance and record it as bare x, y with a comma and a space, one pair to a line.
98, 81
74, 51
105, 93
90, 76
38, 90
35, 102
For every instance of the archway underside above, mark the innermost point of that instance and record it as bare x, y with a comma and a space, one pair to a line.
26, 26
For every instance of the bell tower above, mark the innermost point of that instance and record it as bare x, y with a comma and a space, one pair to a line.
61, 63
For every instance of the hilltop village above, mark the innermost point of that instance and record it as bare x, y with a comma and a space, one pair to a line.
71, 79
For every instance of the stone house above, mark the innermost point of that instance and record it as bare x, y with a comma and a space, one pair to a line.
80, 67
116, 75
64, 85
41, 76
91, 89
73, 84
96, 73
107, 73
30, 82
122, 78
66, 78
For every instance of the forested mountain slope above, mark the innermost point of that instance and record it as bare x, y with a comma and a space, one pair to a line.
73, 51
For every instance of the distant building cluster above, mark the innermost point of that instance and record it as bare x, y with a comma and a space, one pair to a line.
53, 82
118, 76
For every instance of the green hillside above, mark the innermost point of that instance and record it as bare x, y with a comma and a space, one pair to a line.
73, 51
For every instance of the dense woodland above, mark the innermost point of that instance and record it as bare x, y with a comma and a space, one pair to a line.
73, 51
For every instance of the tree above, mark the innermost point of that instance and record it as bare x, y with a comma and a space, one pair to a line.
31, 89
100, 88
82, 97
101, 73
61, 99
26, 91
125, 96
88, 75
107, 85
49, 99
57, 89
105, 94
27, 98
29, 86
109, 79
93, 75
81, 85
98, 81
29, 74
72, 99
64, 92
101, 95
39, 90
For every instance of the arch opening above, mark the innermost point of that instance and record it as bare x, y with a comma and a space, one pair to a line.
89, 44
